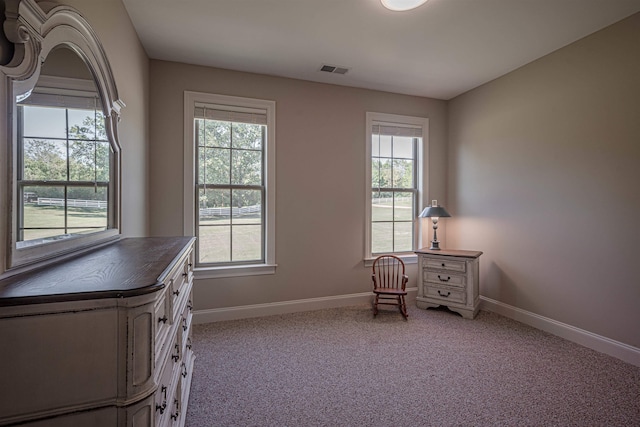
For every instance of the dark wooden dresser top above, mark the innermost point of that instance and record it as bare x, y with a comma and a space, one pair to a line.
450, 252
127, 267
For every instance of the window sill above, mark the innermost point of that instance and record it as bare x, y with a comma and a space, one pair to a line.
407, 258
234, 271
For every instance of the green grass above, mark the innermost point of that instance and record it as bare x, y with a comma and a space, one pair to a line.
382, 233
217, 239
50, 217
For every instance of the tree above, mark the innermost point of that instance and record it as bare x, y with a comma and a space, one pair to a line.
88, 160
229, 154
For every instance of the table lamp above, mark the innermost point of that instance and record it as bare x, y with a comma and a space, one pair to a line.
434, 212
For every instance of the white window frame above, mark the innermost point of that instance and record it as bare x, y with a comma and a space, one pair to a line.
421, 157
269, 265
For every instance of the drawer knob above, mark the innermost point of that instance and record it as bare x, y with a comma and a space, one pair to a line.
176, 415
176, 356
163, 319
184, 370
443, 264
176, 292
442, 294
444, 280
162, 407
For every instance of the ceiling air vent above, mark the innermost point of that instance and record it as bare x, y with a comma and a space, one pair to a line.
334, 69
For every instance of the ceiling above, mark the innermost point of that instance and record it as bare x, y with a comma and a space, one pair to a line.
439, 50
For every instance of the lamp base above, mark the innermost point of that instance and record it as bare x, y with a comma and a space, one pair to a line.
435, 245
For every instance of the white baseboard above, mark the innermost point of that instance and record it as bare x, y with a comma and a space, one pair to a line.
588, 339
283, 307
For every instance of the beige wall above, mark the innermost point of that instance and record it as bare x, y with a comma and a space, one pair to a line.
320, 168
130, 67
544, 167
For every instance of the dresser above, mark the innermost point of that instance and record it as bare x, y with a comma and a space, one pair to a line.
101, 339
450, 278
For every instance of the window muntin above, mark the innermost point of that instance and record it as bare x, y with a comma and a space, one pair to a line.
395, 155
230, 185
64, 169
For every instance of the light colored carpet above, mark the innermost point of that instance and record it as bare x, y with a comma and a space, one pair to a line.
342, 367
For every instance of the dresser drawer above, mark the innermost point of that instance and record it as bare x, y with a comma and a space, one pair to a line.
446, 294
444, 278
444, 264
180, 277
167, 382
185, 323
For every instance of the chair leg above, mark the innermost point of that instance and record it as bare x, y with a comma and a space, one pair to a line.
403, 306
375, 306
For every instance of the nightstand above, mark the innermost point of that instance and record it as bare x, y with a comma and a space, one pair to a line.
449, 277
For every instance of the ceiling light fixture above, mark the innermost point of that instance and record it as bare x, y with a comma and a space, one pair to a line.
402, 5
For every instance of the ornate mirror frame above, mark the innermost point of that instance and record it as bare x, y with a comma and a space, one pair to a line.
33, 30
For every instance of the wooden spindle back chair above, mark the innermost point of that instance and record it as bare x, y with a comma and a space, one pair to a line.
389, 283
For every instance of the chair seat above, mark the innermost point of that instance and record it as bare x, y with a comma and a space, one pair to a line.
389, 291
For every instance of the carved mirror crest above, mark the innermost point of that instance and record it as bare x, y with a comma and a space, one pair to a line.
61, 155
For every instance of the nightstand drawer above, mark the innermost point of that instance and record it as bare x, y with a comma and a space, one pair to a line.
444, 264
446, 294
444, 278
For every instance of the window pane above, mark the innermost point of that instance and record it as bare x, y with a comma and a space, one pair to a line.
403, 207
381, 145
198, 132
403, 173
247, 243
247, 167
103, 161
247, 206
44, 160
88, 161
214, 243
218, 134
42, 212
214, 206
403, 237
82, 124
247, 136
402, 147
381, 206
381, 237
101, 130
44, 122
381, 173
87, 208
375, 173
214, 166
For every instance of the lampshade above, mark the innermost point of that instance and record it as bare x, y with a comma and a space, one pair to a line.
402, 5
434, 211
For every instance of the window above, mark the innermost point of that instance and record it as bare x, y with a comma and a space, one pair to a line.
230, 144
64, 168
395, 150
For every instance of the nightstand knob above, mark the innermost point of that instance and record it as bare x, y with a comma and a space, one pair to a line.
443, 264
444, 280
443, 294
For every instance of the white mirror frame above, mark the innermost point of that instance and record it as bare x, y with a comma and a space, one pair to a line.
34, 32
